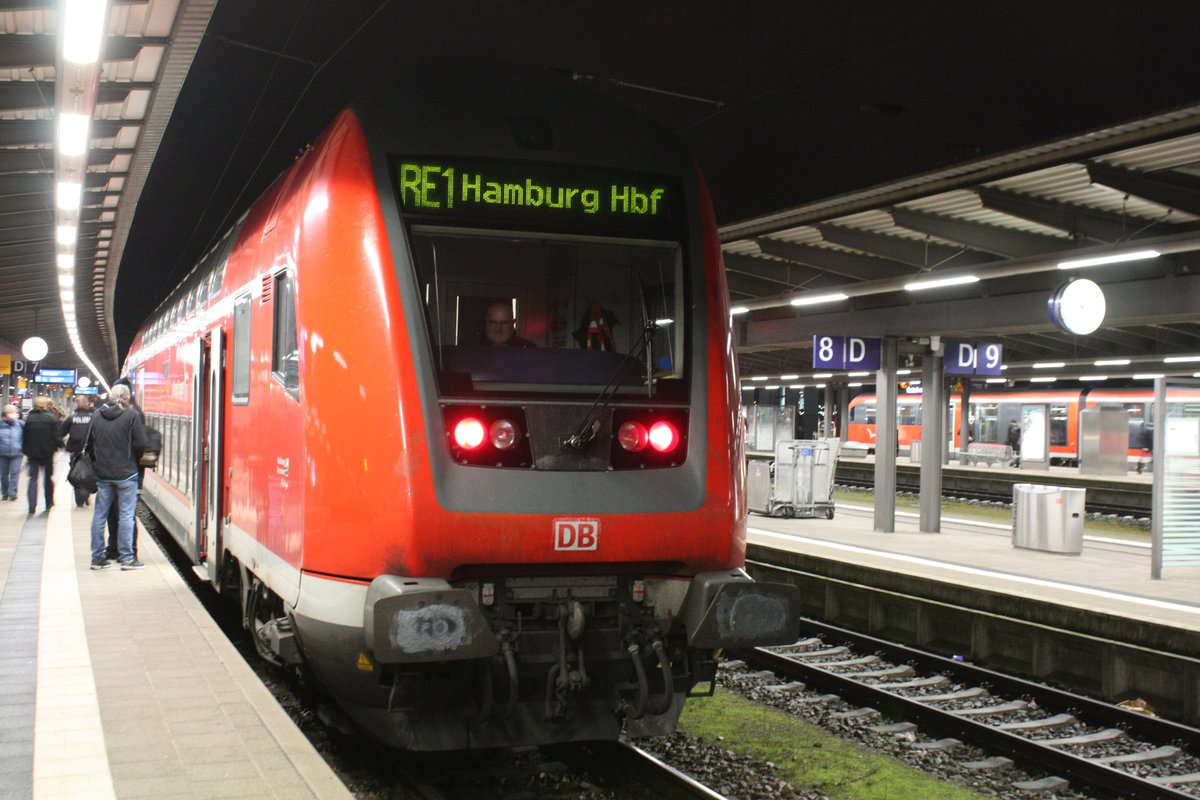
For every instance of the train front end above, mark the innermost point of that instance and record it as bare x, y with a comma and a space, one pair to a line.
564, 552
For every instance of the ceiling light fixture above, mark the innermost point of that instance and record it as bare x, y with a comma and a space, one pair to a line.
1111, 362
739, 310
1148, 376
73, 131
1180, 359
1049, 364
83, 30
937, 283
1137, 255
810, 300
1047, 379
68, 195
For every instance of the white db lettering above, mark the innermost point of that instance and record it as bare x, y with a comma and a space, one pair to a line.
576, 534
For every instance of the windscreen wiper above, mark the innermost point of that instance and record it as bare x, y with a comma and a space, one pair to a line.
590, 425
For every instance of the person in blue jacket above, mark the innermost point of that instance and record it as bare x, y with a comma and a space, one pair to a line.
12, 430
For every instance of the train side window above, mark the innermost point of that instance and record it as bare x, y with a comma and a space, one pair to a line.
240, 380
1058, 425
285, 354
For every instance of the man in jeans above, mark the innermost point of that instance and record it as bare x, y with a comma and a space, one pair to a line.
117, 433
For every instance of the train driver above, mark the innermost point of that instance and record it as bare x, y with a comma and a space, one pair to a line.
500, 329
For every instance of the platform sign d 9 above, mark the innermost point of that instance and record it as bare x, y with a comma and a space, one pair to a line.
846, 352
973, 358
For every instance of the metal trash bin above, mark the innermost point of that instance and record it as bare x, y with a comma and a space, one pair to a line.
1048, 518
758, 486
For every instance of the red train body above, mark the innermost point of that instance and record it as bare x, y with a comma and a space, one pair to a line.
991, 412
562, 577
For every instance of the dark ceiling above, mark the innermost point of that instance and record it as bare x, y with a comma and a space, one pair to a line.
783, 103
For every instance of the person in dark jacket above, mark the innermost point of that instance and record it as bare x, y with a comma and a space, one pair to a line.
117, 435
76, 427
40, 444
1014, 441
114, 516
12, 430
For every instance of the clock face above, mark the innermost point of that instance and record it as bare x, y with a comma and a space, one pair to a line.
1078, 307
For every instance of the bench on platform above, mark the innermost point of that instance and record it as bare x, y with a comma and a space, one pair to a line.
990, 453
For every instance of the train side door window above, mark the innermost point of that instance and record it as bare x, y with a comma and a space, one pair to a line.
240, 379
285, 354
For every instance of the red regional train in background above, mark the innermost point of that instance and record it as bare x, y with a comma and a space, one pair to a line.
468, 545
989, 415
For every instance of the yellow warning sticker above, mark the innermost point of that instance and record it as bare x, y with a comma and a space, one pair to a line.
364, 663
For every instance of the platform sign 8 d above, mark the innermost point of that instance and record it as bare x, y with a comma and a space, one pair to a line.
846, 352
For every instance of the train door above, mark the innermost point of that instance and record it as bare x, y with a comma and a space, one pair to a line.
210, 381
1035, 435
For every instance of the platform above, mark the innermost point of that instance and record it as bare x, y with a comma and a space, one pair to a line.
119, 685
1110, 575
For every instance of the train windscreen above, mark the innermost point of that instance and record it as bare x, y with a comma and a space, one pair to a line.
521, 312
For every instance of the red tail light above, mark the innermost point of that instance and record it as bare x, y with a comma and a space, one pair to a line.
469, 433
663, 436
633, 436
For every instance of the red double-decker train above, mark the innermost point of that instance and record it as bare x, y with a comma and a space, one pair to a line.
468, 543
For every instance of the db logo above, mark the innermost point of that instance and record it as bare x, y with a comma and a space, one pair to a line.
576, 534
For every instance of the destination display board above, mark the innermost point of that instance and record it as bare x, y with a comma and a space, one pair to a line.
65, 377
538, 194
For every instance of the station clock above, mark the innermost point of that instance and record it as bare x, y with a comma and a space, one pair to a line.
1078, 306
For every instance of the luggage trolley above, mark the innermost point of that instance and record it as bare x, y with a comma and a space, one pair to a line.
803, 480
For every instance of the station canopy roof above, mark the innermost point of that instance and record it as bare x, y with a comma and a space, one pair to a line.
1003, 224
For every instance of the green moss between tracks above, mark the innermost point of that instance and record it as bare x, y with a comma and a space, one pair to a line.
808, 757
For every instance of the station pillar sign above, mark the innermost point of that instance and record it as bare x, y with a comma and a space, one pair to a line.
846, 352
973, 358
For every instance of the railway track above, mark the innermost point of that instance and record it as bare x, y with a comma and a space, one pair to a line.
1089, 745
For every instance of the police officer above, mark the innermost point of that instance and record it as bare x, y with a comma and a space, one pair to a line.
76, 427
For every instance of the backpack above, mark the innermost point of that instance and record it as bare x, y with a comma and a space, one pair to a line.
153, 448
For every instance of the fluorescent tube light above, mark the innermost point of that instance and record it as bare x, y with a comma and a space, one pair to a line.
65, 234
1093, 377
996, 380
810, 300
788, 377
820, 375
904, 372
738, 310
1137, 255
66, 261
68, 197
854, 385
83, 30
1111, 362
937, 283
66, 281
1049, 364
1180, 359
760, 377
73, 134
1148, 376
857, 374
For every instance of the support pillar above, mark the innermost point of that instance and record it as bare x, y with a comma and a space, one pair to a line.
885, 439
933, 439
